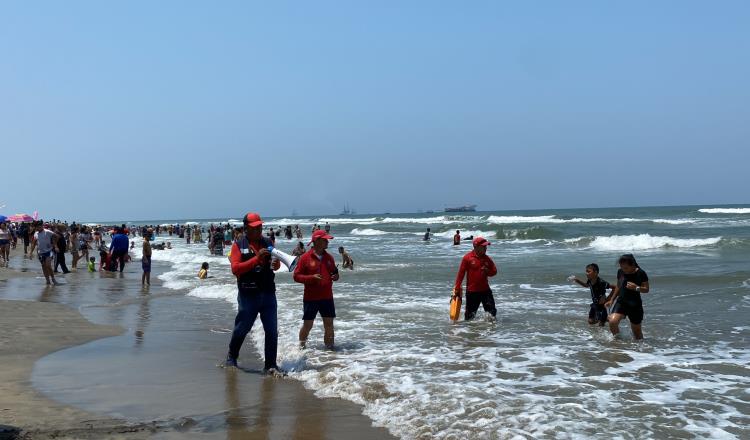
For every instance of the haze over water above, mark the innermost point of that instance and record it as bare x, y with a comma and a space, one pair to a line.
541, 370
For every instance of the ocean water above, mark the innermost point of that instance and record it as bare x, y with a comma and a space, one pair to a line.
540, 370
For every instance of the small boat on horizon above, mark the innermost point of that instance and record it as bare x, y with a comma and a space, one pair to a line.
347, 210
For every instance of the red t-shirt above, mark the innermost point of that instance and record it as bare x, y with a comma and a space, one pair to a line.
472, 266
309, 265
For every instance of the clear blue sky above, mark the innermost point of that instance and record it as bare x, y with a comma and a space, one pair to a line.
177, 109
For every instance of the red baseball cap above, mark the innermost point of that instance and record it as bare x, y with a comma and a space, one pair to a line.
481, 241
252, 220
320, 234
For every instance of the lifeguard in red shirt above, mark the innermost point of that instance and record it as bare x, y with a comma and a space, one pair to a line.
478, 268
317, 271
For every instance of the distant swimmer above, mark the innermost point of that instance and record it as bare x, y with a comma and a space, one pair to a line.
427, 235
478, 268
203, 273
254, 268
457, 238
328, 228
347, 262
469, 238
317, 271
598, 287
626, 298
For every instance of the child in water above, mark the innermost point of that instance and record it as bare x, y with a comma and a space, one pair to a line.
92, 264
203, 273
347, 261
598, 287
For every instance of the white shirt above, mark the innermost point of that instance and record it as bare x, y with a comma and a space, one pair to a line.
44, 241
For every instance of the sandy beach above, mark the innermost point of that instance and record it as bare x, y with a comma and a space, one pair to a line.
98, 357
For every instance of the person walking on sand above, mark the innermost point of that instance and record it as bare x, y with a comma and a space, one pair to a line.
45, 242
478, 268
253, 266
62, 248
317, 271
146, 259
625, 300
5, 240
119, 249
73, 246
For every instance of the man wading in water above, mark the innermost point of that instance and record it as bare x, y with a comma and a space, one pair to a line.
252, 265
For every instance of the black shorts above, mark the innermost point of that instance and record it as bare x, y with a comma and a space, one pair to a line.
473, 299
597, 312
634, 312
325, 307
43, 256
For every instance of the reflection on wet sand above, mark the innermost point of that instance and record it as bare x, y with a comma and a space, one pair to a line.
144, 315
238, 419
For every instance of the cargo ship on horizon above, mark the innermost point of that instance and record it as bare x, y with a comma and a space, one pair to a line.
465, 208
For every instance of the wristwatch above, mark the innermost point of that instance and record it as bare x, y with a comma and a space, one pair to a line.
638, 289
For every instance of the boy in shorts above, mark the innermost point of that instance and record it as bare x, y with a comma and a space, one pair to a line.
598, 287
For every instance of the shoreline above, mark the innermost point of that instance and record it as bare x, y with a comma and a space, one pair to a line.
38, 329
46, 329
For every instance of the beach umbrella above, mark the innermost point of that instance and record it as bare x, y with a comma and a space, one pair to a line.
3, 219
21, 218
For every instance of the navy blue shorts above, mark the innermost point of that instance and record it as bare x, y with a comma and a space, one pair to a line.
43, 256
323, 306
146, 265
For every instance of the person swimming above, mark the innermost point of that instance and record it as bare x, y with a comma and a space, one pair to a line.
203, 273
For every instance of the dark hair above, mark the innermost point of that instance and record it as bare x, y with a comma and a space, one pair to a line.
341, 248
593, 266
204, 265
628, 259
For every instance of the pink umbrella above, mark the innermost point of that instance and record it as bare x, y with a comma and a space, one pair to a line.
20, 218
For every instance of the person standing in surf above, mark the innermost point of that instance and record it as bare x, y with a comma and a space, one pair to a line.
317, 270
625, 301
598, 287
146, 259
457, 238
252, 265
477, 267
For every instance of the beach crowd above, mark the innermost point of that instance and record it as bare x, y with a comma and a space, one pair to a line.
254, 259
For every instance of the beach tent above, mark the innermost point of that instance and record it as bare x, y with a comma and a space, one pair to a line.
21, 218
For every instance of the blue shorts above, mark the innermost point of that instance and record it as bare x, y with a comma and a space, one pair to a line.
323, 306
4, 242
146, 265
43, 256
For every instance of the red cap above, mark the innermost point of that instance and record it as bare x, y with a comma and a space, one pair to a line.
320, 234
481, 241
252, 220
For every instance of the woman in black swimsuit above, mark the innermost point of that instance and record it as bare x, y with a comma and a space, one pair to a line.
632, 281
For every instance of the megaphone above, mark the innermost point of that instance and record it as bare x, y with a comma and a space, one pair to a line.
290, 261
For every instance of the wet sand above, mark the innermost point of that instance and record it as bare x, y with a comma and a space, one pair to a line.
153, 375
